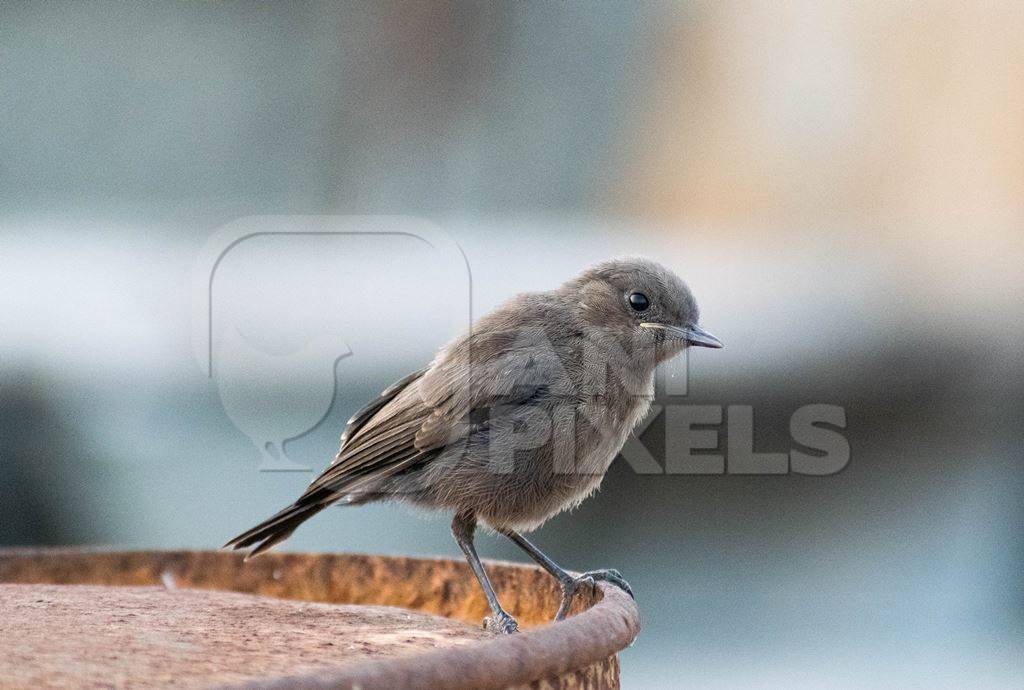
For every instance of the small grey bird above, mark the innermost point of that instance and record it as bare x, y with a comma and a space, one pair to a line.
516, 420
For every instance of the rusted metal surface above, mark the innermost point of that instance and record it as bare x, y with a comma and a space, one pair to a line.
578, 652
93, 636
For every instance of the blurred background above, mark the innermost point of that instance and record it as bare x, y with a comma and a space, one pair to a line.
842, 185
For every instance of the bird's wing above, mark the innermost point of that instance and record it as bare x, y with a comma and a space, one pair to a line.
492, 373
429, 410
416, 418
360, 418
358, 449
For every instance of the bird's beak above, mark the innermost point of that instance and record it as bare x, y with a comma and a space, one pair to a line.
693, 334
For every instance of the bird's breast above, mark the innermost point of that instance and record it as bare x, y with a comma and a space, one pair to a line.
605, 427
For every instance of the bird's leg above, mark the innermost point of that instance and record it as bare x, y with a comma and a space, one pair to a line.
569, 583
463, 527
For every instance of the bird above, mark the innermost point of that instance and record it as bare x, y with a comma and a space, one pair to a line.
515, 420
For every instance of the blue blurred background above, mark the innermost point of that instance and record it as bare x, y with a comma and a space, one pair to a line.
842, 185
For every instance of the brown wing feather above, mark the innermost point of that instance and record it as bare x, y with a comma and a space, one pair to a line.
374, 438
433, 408
360, 418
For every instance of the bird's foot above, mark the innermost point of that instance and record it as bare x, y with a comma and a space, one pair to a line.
589, 579
501, 623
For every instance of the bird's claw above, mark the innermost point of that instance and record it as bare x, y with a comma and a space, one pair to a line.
503, 624
589, 579
614, 577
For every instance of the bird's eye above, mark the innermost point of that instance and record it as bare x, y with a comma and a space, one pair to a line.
639, 301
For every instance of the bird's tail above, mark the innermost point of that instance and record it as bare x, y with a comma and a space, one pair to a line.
277, 528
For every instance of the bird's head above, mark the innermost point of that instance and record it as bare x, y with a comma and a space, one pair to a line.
642, 302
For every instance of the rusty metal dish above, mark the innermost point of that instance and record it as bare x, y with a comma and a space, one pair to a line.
579, 652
